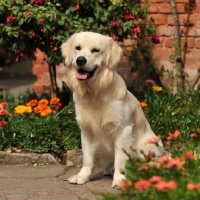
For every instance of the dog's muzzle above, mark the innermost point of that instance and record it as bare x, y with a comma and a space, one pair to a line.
82, 74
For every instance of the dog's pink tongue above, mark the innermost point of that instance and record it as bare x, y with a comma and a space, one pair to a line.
82, 75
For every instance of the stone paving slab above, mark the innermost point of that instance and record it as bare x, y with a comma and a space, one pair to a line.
48, 182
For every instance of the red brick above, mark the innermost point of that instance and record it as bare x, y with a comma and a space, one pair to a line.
193, 54
40, 57
193, 31
197, 8
165, 8
190, 42
169, 42
165, 30
153, 8
161, 53
197, 43
180, 7
40, 69
158, 19
154, 1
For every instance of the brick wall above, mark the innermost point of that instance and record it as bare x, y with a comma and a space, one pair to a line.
160, 11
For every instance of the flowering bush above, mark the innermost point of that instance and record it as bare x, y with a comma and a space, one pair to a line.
45, 24
39, 126
175, 175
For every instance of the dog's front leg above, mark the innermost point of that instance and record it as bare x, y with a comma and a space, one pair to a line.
88, 162
120, 160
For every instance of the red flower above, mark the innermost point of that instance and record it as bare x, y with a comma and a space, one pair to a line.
165, 186
173, 136
32, 103
155, 179
128, 16
115, 24
38, 2
163, 159
189, 156
191, 186
137, 29
114, 37
154, 140
77, 6
156, 39
142, 184
175, 163
143, 104
41, 21
10, 19
28, 13
3, 123
124, 185
150, 155
3, 105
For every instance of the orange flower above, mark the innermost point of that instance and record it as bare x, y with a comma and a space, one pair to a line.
3, 105
173, 136
54, 101
124, 185
191, 186
3, 123
43, 102
163, 159
193, 135
143, 104
143, 168
142, 184
58, 105
175, 163
3, 112
155, 179
45, 110
189, 156
32, 103
37, 109
150, 155
154, 140
165, 186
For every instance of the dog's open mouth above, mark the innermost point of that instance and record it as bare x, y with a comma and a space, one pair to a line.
83, 74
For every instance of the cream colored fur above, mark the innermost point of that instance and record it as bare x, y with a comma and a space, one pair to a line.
109, 116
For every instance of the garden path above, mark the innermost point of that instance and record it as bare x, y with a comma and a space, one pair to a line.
48, 182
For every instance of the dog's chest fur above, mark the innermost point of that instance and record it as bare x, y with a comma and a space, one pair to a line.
99, 116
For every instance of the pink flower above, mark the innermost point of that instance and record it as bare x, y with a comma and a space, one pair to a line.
189, 156
10, 19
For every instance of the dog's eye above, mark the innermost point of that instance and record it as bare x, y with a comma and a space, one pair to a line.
78, 48
95, 50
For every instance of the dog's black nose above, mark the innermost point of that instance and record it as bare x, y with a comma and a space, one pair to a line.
81, 60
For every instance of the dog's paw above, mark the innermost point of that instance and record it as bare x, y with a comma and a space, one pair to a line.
77, 179
116, 180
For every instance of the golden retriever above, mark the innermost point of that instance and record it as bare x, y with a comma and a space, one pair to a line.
110, 117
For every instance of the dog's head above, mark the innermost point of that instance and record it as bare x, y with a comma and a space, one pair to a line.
91, 59
89, 53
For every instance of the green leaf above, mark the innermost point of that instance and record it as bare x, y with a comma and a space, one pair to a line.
21, 21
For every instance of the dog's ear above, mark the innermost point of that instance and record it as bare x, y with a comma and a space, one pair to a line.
114, 53
66, 49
